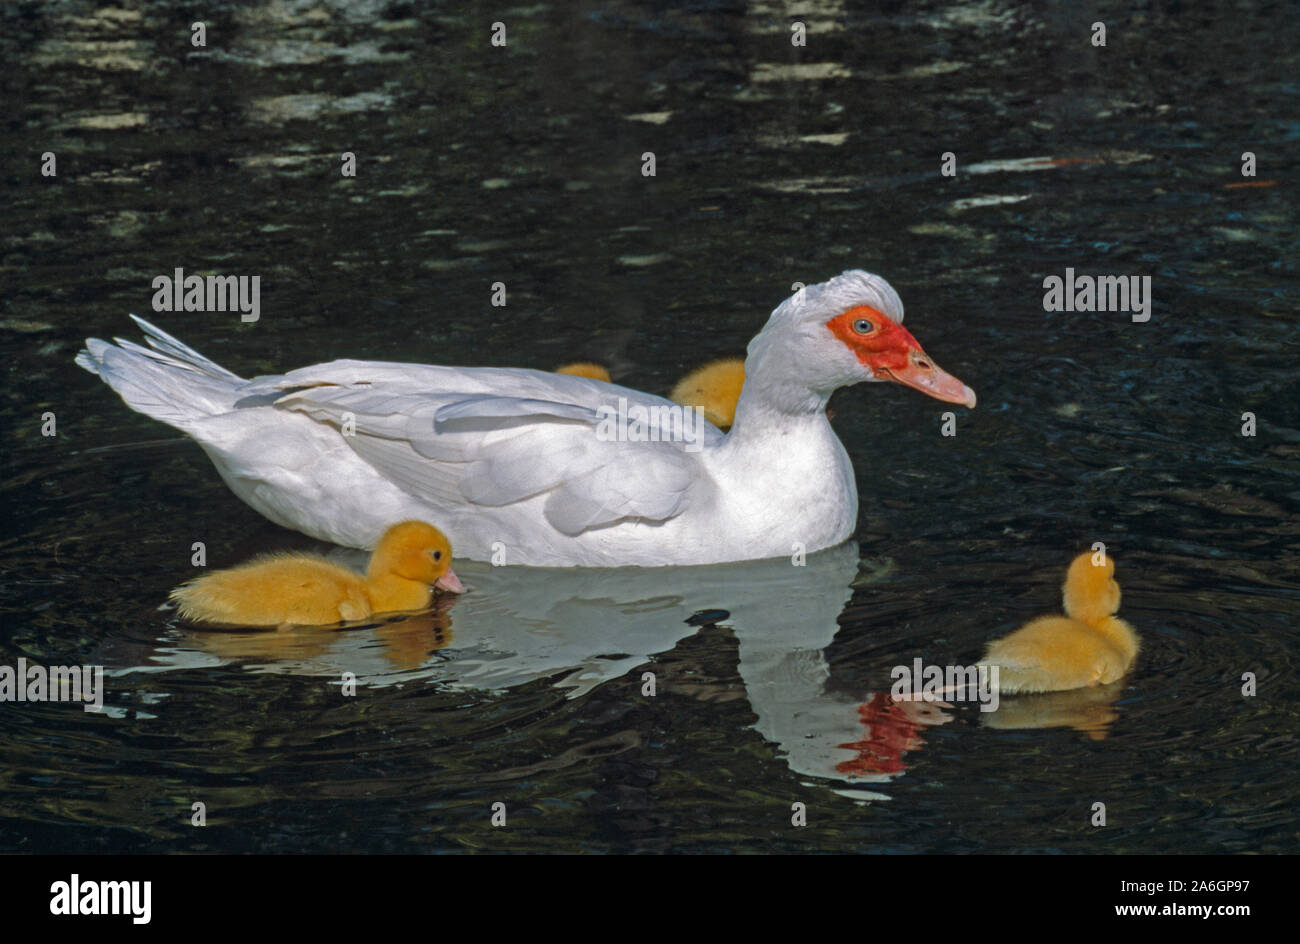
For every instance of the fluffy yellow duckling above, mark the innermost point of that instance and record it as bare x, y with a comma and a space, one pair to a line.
585, 369
715, 388
307, 590
1089, 646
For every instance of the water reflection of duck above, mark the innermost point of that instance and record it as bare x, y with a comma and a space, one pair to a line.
580, 628
405, 642
1087, 647
515, 459
893, 728
308, 590
1087, 710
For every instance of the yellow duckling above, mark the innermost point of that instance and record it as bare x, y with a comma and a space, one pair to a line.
307, 590
585, 369
1089, 646
715, 388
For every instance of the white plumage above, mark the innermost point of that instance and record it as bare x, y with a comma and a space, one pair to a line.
515, 463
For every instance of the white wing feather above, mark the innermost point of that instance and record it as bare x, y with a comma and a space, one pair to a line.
489, 437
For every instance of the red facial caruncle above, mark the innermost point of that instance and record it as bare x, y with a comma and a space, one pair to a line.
891, 353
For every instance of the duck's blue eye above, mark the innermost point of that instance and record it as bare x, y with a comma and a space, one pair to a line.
863, 326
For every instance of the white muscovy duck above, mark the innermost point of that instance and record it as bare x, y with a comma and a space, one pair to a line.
519, 464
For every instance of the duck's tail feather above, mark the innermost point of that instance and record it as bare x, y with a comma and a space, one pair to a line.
160, 340
168, 380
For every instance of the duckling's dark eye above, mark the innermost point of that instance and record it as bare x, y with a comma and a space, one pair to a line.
863, 326
437, 555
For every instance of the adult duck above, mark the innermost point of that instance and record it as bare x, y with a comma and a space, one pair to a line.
525, 466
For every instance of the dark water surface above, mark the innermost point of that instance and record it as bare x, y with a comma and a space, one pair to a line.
775, 164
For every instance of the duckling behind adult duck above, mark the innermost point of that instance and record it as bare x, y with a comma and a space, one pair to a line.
588, 369
714, 388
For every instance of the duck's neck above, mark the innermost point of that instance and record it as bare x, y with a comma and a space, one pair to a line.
782, 474
389, 592
782, 445
762, 419
774, 398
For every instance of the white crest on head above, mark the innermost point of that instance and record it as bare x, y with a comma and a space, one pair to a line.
847, 290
